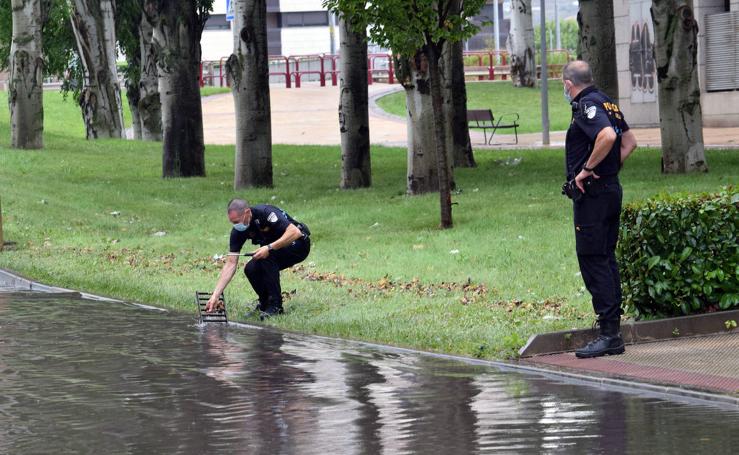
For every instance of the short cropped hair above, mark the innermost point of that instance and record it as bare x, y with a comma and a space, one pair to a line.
579, 72
237, 205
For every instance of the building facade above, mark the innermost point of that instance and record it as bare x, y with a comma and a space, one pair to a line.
718, 61
294, 27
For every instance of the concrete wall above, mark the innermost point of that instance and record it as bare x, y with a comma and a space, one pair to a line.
290, 6
216, 44
307, 40
637, 75
720, 109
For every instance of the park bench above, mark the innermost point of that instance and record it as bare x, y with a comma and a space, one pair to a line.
484, 120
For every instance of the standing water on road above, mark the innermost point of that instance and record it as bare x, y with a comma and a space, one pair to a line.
80, 376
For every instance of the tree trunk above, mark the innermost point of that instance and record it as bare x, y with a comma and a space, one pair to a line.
443, 169
100, 99
455, 106
248, 72
413, 74
681, 121
133, 94
25, 88
177, 37
521, 44
356, 170
597, 43
149, 105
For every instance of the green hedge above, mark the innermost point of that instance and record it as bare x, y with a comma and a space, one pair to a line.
679, 255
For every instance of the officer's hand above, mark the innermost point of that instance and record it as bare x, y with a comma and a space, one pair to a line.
261, 253
212, 304
581, 178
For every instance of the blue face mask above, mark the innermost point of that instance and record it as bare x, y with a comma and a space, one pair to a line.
241, 227
568, 98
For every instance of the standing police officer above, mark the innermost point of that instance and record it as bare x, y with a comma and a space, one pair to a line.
598, 142
283, 243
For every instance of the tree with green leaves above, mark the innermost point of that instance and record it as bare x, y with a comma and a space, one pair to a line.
178, 28
419, 30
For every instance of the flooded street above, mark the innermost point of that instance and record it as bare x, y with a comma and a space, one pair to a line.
80, 376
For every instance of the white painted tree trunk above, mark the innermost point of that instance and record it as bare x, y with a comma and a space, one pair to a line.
25, 88
521, 44
248, 72
150, 107
422, 168
356, 170
100, 99
681, 121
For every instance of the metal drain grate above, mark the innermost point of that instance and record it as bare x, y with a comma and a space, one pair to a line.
201, 301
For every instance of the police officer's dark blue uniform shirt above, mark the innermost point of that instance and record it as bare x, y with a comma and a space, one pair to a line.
592, 111
268, 223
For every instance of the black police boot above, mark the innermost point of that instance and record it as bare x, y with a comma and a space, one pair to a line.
273, 309
609, 342
259, 306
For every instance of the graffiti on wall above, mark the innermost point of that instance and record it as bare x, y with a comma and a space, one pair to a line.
641, 59
641, 53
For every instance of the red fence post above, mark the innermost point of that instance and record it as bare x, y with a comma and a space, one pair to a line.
333, 70
491, 67
200, 77
323, 70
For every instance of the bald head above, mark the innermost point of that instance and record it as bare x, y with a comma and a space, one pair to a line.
578, 72
237, 205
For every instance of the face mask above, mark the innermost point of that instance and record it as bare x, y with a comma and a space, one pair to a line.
241, 227
568, 98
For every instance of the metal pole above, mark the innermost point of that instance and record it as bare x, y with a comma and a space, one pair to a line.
544, 80
556, 25
496, 29
2, 243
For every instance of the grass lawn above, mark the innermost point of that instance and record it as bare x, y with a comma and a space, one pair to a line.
85, 213
501, 97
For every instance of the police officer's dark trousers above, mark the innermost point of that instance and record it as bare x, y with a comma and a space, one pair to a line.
264, 274
597, 217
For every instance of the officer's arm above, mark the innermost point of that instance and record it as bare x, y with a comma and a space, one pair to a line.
602, 147
227, 273
292, 233
628, 144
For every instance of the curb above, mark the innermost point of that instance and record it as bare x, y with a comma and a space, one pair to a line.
633, 333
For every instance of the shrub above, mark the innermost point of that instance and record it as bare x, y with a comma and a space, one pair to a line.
679, 255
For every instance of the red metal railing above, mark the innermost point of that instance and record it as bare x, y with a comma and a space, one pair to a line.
490, 64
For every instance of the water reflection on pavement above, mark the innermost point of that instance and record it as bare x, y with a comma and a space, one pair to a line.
92, 377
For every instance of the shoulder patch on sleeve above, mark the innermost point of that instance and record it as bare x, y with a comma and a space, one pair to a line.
272, 218
590, 112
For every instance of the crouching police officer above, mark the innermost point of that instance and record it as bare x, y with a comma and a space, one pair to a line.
283, 242
598, 142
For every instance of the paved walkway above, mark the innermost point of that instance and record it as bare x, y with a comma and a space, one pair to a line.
309, 115
709, 363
